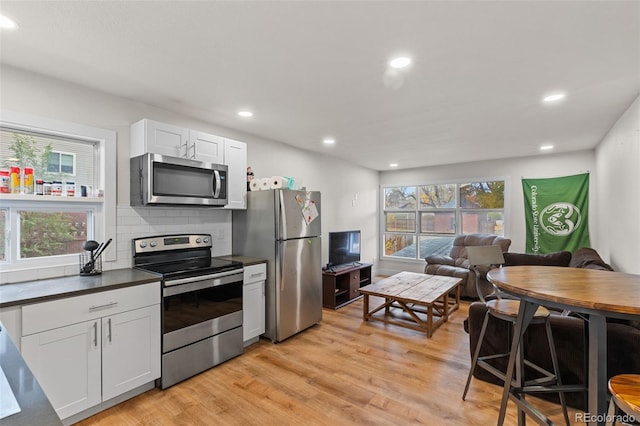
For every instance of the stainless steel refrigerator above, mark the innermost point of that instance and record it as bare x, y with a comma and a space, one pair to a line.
283, 227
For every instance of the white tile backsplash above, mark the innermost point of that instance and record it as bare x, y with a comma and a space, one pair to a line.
136, 222
171, 220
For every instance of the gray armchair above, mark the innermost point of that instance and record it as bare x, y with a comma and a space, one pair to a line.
457, 263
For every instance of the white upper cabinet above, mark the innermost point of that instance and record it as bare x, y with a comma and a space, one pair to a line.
205, 147
235, 155
159, 138
166, 139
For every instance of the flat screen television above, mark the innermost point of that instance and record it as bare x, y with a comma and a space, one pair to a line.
344, 248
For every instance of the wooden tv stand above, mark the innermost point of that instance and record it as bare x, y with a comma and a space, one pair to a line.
341, 285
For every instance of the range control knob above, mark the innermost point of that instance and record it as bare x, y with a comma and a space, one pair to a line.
206, 240
198, 240
143, 244
153, 244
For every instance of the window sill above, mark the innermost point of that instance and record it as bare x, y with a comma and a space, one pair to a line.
50, 198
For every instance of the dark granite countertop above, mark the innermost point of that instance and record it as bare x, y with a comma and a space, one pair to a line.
35, 407
74, 285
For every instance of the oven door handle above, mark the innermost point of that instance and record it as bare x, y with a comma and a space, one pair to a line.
200, 283
201, 277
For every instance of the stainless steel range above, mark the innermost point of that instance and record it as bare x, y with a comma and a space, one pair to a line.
202, 303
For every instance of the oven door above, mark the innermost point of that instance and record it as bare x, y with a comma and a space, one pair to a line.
200, 307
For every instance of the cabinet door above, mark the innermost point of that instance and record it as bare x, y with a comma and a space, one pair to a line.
205, 147
354, 284
130, 350
166, 139
253, 310
66, 362
235, 156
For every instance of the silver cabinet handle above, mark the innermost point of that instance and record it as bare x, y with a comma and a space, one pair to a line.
95, 334
109, 323
256, 274
105, 306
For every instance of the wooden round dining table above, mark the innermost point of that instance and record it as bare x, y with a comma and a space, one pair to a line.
595, 294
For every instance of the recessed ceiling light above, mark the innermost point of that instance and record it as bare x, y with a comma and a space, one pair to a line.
7, 23
329, 141
546, 147
554, 97
400, 62
245, 113
393, 165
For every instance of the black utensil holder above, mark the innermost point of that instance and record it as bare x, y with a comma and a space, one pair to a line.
89, 267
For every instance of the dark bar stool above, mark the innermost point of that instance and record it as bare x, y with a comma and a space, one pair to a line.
507, 310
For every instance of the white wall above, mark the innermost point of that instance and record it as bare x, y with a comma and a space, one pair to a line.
618, 166
512, 170
350, 194
338, 180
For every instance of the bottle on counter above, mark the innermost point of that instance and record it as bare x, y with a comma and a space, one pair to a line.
56, 188
5, 182
15, 180
27, 181
47, 186
70, 189
39, 187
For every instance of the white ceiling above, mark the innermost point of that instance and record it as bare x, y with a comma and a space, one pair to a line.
312, 69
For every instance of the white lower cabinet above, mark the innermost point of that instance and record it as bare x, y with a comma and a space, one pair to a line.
253, 308
82, 364
130, 350
66, 361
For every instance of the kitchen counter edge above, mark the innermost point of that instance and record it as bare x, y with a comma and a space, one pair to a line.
27, 292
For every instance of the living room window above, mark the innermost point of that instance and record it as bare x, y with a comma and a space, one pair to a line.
421, 220
45, 225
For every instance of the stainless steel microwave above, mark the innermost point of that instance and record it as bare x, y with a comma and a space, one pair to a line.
160, 179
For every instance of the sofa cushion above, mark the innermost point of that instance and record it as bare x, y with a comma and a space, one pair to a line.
560, 258
587, 257
439, 259
460, 243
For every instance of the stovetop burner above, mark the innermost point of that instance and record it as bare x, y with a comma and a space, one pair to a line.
179, 256
191, 267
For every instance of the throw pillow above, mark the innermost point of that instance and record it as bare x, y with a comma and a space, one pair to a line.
560, 258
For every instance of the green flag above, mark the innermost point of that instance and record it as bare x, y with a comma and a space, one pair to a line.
556, 213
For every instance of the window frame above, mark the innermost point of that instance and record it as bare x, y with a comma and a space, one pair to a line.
104, 208
418, 210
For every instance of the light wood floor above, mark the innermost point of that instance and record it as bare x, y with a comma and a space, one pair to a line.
339, 372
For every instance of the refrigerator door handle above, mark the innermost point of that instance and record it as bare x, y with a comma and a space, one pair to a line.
282, 223
281, 266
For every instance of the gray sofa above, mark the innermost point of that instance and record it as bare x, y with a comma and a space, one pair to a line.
456, 263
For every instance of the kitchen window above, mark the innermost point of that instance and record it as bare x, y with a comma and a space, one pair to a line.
48, 231
420, 220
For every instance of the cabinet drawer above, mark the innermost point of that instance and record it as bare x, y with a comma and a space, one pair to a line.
255, 273
58, 313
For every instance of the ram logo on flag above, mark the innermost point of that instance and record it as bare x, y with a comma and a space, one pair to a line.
556, 213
